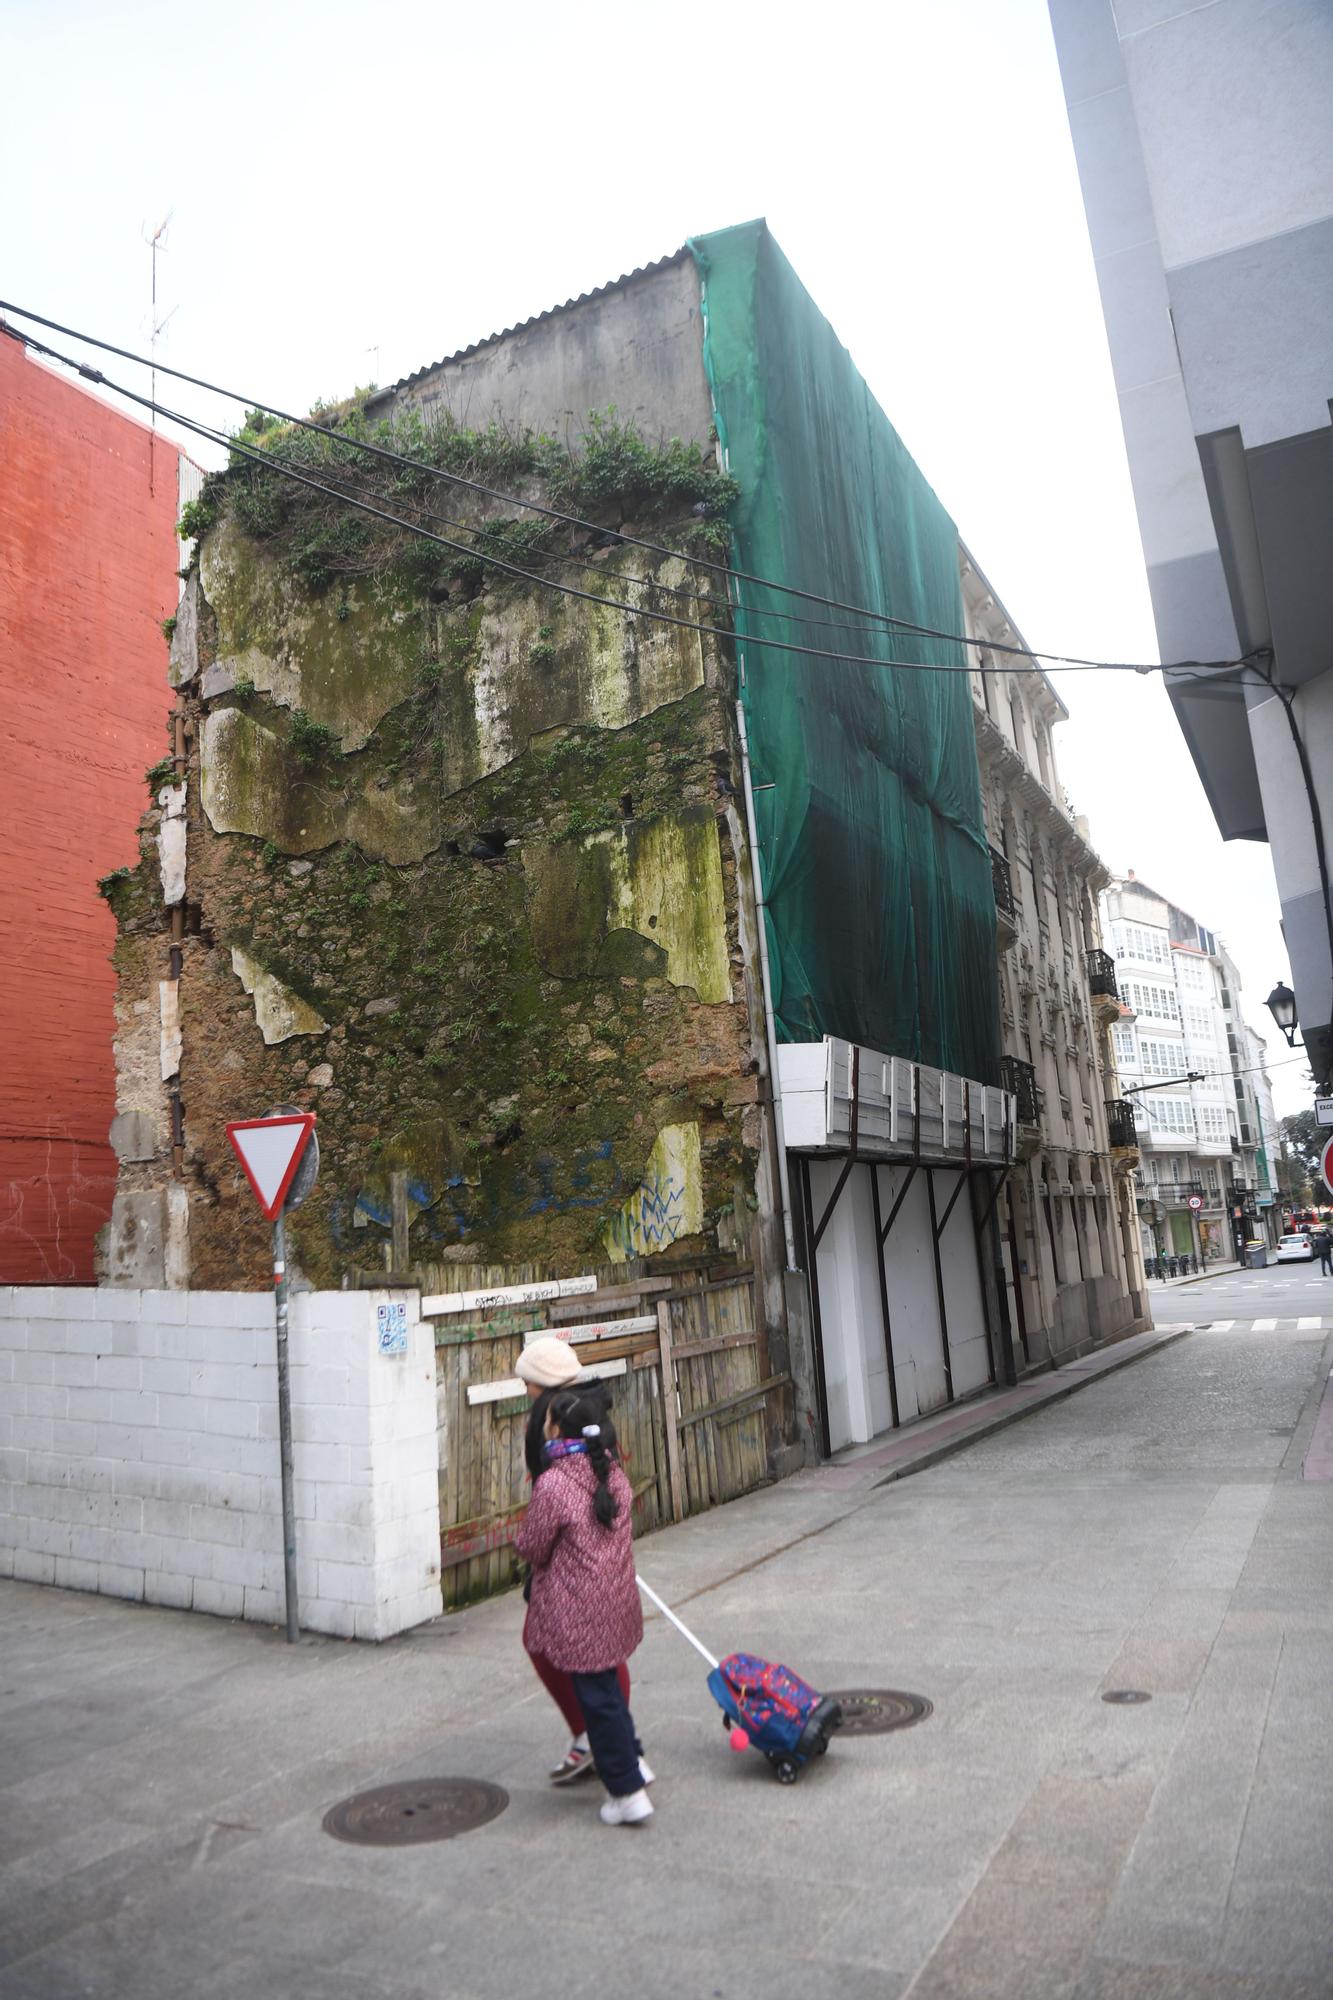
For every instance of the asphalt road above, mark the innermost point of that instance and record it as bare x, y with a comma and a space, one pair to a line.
1280, 1291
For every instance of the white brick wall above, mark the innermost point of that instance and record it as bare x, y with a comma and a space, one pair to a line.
139, 1454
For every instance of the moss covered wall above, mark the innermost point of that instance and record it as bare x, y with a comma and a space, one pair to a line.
461, 877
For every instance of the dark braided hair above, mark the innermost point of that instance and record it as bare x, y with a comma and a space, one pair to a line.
534, 1437
576, 1412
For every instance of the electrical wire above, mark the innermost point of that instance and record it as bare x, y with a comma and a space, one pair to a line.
1203, 668
478, 554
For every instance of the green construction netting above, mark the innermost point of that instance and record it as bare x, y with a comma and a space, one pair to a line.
881, 916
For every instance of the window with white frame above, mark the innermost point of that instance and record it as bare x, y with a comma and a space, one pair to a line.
1147, 947
1159, 1058
1171, 1115
1212, 1124
1157, 1002
1124, 1048
1192, 973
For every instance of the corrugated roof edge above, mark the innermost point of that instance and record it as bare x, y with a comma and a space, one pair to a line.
583, 299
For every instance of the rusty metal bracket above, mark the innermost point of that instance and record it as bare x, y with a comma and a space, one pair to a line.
991, 1205
962, 1183
899, 1199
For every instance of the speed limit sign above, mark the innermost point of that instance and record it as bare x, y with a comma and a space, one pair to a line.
1195, 1202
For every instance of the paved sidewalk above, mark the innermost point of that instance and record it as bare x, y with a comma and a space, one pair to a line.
933, 1438
163, 1776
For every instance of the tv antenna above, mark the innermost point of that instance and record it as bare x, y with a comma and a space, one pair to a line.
156, 328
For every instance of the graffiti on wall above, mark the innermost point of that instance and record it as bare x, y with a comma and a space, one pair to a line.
668, 1202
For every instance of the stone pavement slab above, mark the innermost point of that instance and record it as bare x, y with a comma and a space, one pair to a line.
163, 1776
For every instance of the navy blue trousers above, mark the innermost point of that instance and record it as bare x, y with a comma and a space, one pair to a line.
610, 1726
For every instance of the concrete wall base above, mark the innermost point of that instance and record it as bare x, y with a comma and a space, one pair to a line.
139, 1453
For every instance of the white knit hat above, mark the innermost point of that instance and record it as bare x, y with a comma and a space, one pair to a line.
548, 1364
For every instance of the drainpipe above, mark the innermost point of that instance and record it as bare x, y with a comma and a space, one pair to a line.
770, 1034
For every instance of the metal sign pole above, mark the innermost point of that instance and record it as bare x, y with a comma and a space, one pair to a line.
285, 1432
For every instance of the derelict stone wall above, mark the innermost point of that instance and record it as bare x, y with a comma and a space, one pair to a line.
460, 874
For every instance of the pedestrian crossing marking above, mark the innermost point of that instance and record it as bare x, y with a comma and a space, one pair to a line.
1243, 1326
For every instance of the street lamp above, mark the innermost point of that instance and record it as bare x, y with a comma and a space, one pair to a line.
1281, 1004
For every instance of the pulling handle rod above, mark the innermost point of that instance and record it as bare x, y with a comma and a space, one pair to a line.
684, 1630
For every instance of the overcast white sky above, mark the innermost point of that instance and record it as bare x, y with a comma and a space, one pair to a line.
357, 190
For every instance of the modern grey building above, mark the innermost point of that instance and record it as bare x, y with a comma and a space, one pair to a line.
1204, 139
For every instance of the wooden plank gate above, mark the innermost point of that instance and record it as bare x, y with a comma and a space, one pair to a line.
694, 1405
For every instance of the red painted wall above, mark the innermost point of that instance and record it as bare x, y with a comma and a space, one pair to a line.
88, 561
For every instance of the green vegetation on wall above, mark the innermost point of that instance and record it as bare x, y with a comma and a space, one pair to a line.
462, 861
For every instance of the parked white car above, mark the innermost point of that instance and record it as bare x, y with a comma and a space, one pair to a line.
1295, 1250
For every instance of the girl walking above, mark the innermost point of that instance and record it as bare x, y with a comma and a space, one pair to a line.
545, 1367
584, 1615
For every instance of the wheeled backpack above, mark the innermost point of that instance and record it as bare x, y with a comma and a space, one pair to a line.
785, 1719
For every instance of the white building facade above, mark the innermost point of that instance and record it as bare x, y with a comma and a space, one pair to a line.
1191, 1068
1072, 1256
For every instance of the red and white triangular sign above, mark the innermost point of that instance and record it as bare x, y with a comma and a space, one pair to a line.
270, 1150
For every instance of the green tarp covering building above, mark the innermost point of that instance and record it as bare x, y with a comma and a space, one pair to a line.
880, 913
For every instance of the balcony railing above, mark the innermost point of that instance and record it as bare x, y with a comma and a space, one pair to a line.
1177, 1191
1101, 974
1120, 1121
1241, 1191
1020, 1078
1003, 885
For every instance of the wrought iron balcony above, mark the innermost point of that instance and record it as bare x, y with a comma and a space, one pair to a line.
1241, 1191
1003, 884
1177, 1191
1020, 1078
1120, 1121
1101, 975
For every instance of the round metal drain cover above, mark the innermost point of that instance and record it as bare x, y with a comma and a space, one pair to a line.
422, 1809
1126, 1697
873, 1711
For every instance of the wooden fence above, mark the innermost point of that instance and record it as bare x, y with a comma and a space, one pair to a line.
694, 1406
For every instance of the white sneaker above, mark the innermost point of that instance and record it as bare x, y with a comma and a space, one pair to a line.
646, 1771
631, 1811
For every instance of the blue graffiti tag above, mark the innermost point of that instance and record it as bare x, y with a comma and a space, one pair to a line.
653, 1214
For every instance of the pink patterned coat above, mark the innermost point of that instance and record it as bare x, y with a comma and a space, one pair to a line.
584, 1613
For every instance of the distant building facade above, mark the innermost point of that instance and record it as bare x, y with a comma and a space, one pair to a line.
1073, 1263
88, 571
1207, 1185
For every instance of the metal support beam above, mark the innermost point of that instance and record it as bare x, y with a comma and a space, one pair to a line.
958, 1189
990, 1269
880, 1235
1018, 1284
991, 1205
812, 1273
852, 1154
899, 1199
939, 1284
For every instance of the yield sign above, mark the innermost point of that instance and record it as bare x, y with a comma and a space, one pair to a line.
270, 1150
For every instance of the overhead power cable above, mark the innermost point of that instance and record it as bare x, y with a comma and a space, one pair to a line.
1202, 668
1203, 1076
478, 554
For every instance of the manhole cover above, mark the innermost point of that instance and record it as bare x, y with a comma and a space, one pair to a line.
872, 1711
424, 1809
1125, 1697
